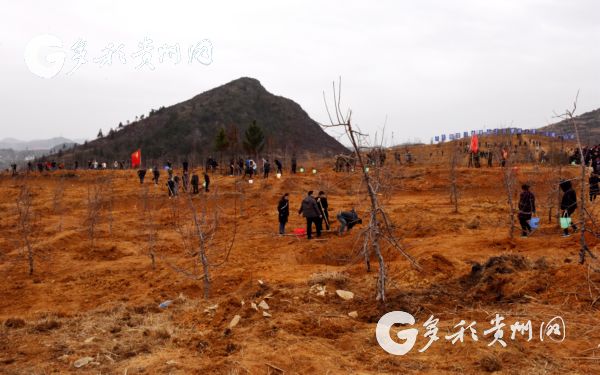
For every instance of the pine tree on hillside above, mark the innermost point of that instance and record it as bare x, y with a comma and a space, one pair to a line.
221, 144
221, 141
100, 135
254, 139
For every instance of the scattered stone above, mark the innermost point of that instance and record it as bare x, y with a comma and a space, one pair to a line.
319, 290
344, 294
254, 306
242, 303
89, 339
211, 309
165, 304
263, 305
171, 362
353, 314
82, 362
234, 322
261, 282
266, 314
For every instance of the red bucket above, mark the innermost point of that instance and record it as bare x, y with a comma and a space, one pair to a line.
299, 232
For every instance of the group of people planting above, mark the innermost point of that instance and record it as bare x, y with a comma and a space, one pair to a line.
315, 211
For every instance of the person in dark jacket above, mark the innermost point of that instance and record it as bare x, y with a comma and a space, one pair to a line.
195, 183
177, 181
155, 174
206, 182
594, 188
141, 174
348, 219
526, 209
186, 166
568, 204
294, 164
171, 187
279, 166
323, 208
283, 208
186, 181
266, 168
310, 211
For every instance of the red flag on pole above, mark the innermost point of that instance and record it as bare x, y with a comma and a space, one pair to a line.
474, 144
136, 159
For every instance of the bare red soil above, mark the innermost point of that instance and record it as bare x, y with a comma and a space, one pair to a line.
102, 301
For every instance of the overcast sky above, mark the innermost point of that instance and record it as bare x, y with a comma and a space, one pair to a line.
428, 66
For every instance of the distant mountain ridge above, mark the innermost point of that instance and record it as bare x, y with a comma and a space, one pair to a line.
17, 151
39, 144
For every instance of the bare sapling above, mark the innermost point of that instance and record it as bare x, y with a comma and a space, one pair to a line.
57, 201
569, 115
379, 227
109, 188
24, 203
454, 177
198, 238
149, 226
509, 182
94, 205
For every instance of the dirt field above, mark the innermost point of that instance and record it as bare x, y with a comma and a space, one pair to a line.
102, 302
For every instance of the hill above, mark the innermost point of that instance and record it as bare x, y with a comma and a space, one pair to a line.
188, 130
588, 123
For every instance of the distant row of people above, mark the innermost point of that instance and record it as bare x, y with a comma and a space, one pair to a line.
175, 182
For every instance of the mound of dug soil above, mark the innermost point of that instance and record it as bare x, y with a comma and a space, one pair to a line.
506, 278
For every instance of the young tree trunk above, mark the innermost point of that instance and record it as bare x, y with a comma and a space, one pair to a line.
453, 180
202, 246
